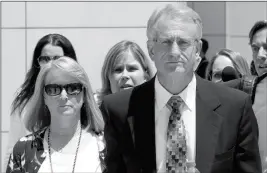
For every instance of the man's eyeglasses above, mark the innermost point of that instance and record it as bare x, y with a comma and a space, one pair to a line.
183, 44
45, 59
71, 89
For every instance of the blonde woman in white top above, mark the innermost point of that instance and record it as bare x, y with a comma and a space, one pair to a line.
49, 47
65, 122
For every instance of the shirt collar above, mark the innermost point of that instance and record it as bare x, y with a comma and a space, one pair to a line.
188, 95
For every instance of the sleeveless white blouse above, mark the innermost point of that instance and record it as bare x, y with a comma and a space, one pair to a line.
87, 157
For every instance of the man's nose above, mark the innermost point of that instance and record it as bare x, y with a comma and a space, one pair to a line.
125, 74
175, 49
262, 54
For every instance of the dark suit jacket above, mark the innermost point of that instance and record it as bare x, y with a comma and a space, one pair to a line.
236, 83
226, 130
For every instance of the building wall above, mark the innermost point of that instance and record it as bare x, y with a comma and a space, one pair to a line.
227, 24
94, 27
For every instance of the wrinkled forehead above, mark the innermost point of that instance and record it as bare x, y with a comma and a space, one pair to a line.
182, 28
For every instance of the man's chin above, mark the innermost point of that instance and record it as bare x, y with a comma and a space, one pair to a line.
175, 69
178, 70
66, 112
125, 88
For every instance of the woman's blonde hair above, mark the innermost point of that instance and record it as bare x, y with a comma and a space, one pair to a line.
37, 115
111, 59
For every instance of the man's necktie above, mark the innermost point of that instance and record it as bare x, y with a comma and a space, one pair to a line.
176, 139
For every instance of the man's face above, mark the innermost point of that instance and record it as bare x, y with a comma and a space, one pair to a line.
259, 50
175, 48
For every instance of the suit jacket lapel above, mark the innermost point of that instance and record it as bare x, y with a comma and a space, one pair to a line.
142, 119
207, 125
143, 111
131, 125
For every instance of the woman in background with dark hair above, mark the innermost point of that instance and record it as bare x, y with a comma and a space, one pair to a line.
49, 47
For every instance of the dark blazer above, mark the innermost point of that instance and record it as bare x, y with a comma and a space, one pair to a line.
236, 83
247, 84
226, 130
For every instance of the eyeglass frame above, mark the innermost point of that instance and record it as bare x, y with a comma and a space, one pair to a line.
190, 42
61, 87
50, 58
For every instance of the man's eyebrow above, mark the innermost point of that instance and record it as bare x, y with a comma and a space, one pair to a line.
261, 44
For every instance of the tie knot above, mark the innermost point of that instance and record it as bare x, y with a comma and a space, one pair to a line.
175, 102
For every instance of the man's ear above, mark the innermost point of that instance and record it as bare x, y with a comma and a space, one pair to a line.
150, 48
199, 47
197, 62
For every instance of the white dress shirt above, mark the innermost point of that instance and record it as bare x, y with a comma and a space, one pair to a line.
162, 114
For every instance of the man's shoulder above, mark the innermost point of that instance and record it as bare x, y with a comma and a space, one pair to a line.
119, 98
117, 104
123, 97
226, 93
233, 83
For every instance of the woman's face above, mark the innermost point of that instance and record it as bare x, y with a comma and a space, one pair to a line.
219, 64
50, 52
63, 102
126, 73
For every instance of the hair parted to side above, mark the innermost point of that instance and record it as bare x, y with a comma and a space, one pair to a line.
37, 116
259, 25
27, 88
240, 63
110, 62
176, 13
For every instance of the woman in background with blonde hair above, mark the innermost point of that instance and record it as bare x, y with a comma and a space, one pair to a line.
125, 66
224, 58
64, 121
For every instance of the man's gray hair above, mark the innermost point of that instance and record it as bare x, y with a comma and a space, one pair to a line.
176, 13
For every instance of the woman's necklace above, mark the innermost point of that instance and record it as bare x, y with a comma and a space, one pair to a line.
76, 153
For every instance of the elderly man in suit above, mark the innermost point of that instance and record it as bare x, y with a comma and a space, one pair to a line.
177, 118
